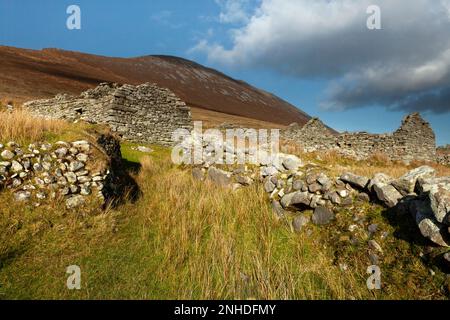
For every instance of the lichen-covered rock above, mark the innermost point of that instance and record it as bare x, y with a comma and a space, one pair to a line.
379, 179
269, 186
291, 162
428, 226
295, 198
53, 169
16, 167
388, 195
359, 182
407, 183
75, 202
219, 177
244, 180
363, 197
315, 187
322, 216
278, 209
424, 185
76, 165
297, 185
439, 196
335, 198
268, 171
7, 155
61, 152
299, 222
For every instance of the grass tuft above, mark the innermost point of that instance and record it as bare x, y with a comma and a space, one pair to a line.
21, 127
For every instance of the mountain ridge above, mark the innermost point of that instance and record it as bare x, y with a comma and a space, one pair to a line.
29, 74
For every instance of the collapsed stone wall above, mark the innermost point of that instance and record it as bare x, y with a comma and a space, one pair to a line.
414, 140
76, 172
295, 187
143, 113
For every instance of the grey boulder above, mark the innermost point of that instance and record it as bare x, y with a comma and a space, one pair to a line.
428, 226
300, 222
440, 202
387, 194
407, 183
219, 177
295, 198
359, 182
291, 162
322, 216
75, 202
380, 180
7, 155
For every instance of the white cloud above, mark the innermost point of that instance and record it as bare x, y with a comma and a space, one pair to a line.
234, 11
404, 65
166, 19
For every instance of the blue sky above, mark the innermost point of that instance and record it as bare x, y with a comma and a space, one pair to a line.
223, 34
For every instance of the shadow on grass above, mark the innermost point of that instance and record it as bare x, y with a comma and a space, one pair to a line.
131, 167
120, 186
405, 226
406, 229
9, 256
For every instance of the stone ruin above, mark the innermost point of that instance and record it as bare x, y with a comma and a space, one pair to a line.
76, 172
148, 113
414, 140
295, 187
143, 113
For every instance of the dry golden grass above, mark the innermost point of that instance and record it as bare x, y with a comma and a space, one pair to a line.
186, 239
229, 244
20, 126
336, 164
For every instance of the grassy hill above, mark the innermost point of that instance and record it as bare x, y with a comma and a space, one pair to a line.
185, 239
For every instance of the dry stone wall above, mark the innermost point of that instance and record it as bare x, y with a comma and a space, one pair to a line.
295, 187
76, 172
144, 113
414, 140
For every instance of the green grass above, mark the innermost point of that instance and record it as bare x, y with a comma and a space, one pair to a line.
185, 239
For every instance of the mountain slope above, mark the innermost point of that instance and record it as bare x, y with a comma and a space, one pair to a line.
30, 74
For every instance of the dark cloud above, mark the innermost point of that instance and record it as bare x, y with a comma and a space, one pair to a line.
403, 66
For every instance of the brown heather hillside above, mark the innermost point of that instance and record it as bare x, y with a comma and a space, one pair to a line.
30, 74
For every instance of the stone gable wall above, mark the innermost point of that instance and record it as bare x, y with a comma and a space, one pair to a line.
144, 113
414, 140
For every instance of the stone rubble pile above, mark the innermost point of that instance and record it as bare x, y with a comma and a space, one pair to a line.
39, 172
443, 159
294, 186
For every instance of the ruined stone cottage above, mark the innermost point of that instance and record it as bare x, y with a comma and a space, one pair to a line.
414, 140
149, 113
143, 113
